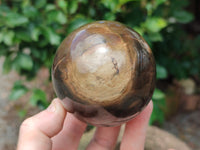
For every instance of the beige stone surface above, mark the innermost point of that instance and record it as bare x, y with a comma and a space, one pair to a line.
156, 139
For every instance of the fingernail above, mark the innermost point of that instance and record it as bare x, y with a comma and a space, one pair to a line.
52, 107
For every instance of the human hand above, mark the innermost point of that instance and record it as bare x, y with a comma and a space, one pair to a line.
55, 129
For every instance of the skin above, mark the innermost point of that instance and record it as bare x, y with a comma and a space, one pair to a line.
56, 129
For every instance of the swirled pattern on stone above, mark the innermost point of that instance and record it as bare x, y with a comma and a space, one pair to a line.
104, 73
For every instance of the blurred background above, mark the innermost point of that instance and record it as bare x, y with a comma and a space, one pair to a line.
31, 31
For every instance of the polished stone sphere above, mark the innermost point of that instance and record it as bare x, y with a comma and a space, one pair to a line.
104, 73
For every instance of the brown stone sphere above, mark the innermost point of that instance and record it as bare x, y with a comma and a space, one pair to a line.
104, 73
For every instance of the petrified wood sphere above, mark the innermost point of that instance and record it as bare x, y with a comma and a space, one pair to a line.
104, 73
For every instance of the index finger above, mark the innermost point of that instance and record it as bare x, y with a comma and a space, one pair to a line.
135, 130
36, 132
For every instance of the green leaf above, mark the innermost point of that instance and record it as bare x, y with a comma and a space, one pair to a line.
3, 50
158, 94
159, 2
61, 18
113, 5
23, 61
183, 16
1, 37
8, 37
30, 11
17, 91
51, 16
155, 24
77, 22
159, 107
153, 6
92, 12
83, 1
139, 30
4, 9
40, 3
63, 5
109, 16
14, 19
73, 6
35, 32
177, 5
157, 115
155, 37
49, 7
149, 8
37, 53
122, 2
53, 38
7, 65
39, 97
56, 16
161, 72
23, 35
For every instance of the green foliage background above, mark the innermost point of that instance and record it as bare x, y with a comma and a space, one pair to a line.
31, 31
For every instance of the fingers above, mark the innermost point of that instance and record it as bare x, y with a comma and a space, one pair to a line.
104, 139
135, 131
70, 135
35, 132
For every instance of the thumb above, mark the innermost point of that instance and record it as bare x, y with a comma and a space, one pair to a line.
36, 132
